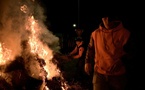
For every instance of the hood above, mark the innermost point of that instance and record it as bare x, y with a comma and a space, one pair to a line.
117, 26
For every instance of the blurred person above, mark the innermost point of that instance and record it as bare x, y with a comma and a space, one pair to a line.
80, 33
77, 34
77, 55
77, 52
106, 50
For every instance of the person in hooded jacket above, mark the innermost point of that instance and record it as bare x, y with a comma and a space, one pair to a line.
106, 49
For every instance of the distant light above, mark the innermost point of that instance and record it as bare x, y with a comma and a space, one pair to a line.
74, 25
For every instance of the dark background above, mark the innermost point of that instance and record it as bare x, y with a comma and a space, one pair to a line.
61, 14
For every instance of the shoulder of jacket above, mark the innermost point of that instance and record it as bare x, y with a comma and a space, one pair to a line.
96, 31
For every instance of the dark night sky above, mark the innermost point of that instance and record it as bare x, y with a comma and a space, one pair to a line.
61, 14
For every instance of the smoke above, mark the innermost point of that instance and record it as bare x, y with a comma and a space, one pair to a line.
15, 25
17, 18
13, 20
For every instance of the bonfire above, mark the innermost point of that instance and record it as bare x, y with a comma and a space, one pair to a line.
29, 52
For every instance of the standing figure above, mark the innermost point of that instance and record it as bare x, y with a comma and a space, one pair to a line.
78, 56
106, 49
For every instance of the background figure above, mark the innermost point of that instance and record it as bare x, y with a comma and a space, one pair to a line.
79, 33
106, 49
78, 53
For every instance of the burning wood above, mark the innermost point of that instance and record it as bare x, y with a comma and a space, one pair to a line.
26, 60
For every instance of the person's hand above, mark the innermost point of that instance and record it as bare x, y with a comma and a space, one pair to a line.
88, 68
65, 58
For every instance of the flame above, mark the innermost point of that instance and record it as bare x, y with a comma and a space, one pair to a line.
4, 54
37, 47
43, 51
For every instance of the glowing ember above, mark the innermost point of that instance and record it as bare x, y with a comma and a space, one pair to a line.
24, 8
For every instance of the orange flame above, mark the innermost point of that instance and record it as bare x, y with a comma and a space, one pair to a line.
37, 47
4, 55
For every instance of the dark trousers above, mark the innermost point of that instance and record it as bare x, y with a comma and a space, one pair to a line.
107, 82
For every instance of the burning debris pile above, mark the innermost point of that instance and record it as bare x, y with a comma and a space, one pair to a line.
27, 49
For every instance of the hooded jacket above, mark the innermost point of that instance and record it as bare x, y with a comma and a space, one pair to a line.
106, 49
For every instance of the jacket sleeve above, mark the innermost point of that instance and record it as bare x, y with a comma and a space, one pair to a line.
90, 51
